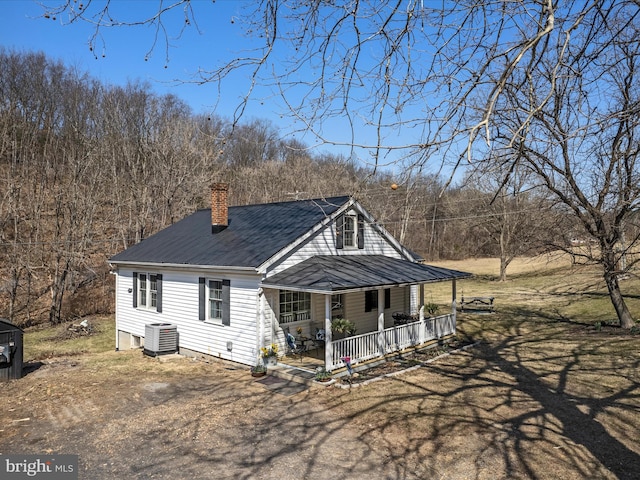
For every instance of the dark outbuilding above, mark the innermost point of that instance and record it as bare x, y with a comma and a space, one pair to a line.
11, 351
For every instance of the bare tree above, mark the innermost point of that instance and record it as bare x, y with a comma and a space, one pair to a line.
517, 220
378, 67
582, 137
447, 72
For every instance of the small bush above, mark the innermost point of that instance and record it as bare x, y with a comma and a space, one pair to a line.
431, 308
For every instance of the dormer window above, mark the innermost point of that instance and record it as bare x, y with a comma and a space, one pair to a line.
350, 231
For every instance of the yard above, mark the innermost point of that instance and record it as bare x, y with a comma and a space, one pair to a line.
551, 391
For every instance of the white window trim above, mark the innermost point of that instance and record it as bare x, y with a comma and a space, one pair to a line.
337, 312
299, 315
207, 289
353, 217
147, 291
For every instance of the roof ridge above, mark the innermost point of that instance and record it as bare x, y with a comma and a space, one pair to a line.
282, 202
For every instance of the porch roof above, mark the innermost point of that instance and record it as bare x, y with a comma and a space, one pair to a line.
341, 273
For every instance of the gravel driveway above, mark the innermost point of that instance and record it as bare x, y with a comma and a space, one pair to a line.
180, 419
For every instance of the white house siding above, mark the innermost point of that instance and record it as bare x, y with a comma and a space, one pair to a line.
323, 243
180, 307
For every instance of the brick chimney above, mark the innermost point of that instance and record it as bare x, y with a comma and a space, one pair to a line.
219, 207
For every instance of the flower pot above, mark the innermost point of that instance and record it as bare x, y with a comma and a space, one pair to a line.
325, 381
271, 361
258, 374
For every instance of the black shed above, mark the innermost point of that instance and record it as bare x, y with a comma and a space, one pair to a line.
11, 351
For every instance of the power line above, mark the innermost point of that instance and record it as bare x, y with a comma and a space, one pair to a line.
449, 219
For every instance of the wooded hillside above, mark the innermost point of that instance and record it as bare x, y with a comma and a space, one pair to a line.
87, 170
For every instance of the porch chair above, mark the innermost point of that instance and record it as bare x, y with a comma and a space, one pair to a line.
293, 348
319, 340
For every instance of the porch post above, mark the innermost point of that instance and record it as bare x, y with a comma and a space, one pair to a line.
328, 347
381, 321
421, 299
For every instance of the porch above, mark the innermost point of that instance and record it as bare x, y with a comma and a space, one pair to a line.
371, 345
306, 299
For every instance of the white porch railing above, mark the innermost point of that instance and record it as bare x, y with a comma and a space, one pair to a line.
377, 344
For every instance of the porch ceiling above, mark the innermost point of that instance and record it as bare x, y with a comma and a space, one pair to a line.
331, 274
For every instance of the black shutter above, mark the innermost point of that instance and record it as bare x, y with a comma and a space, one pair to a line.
159, 293
368, 301
387, 298
226, 302
135, 289
340, 232
202, 299
360, 231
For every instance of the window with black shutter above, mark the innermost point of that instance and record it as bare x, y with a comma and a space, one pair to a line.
214, 300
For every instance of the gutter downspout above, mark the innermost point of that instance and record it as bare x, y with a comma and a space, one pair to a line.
116, 308
261, 320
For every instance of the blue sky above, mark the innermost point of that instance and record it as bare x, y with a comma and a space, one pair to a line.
121, 53
125, 49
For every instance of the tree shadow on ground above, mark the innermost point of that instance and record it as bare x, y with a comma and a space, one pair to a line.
531, 408
529, 404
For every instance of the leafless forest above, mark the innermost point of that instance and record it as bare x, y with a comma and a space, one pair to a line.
89, 169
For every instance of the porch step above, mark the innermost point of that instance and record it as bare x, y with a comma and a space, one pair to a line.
292, 373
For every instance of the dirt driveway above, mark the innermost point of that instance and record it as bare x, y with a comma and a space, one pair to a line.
178, 419
497, 412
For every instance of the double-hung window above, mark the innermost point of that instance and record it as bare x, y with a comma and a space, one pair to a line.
215, 299
371, 299
214, 304
294, 306
147, 291
350, 231
337, 306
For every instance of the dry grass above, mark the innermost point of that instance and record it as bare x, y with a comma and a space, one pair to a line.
545, 395
47, 342
548, 285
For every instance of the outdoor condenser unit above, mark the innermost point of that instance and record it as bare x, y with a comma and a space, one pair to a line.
160, 338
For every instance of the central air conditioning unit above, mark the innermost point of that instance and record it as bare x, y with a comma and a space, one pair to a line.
160, 338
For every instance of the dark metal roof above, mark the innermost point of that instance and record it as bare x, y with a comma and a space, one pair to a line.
255, 233
351, 272
6, 326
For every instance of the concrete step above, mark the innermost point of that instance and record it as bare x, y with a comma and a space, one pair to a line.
292, 373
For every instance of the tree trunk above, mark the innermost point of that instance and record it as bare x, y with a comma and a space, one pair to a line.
626, 320
505, 258
57, 294
504, 263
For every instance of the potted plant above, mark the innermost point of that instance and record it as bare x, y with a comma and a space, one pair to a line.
259, 370
270, 354
342, 327
322, 375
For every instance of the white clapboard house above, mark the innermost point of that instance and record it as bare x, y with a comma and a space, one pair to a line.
231, 280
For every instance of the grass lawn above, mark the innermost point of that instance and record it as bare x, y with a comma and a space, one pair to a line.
552, 391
